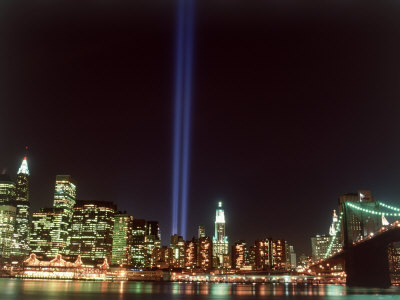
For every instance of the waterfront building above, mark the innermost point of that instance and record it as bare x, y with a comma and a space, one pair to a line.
201, 232
205, 253
239, 255
49, 232
7, 225
122, 239
138, 249
177, 245
279, 254
220, 240
91, 234
22, 226
191, 251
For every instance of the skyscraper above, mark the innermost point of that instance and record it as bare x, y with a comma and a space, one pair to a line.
122, 239
177, 245
7, 224
50, 226
7, 190
279, 254
91, 234
205, 253
238, 255
139, 229
263, 258
49, 234
191, 251
65, 193
152, 241
7, 215
22, 232
220, 240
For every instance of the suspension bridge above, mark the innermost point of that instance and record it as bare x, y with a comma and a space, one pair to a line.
365, 234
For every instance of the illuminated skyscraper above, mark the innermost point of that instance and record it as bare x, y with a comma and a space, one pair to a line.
279, 254
7, 215
50, 226
177, 245
21, 234
191, 251
152, 241
238, 255
65, 193
7, 190
92, 230
7, 224
263, 258
49, 232
122, 239
205, 253
139, 229
319, 246
220, 240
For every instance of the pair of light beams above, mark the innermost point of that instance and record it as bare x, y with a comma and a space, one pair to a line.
182, 114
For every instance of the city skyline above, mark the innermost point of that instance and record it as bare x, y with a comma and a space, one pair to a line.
292, 108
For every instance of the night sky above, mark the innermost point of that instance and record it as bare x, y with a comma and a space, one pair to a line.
293, 105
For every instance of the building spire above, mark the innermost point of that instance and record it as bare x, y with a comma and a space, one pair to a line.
23, 169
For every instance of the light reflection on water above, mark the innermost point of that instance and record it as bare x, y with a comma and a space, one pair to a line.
60, 290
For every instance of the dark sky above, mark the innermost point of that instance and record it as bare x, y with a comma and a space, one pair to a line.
293, 106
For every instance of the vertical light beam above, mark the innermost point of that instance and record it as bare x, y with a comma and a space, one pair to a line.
187, 99
176, 176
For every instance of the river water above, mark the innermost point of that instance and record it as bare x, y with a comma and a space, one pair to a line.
73, 290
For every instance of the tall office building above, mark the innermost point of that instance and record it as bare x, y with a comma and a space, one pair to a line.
50, 226
319, 246
263, 258
279, 254
65, 193
7, 215
191, 251
177, 244
122, 239
220, 240
291, 258
162, 257
205, 253
238, 255
91, 234
7, 190
138, 250
152, 241
7, 225
22, 226
49, 232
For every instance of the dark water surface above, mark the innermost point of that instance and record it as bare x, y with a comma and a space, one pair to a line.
60, 290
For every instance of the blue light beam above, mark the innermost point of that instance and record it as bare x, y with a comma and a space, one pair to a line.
177, 119
189, 28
